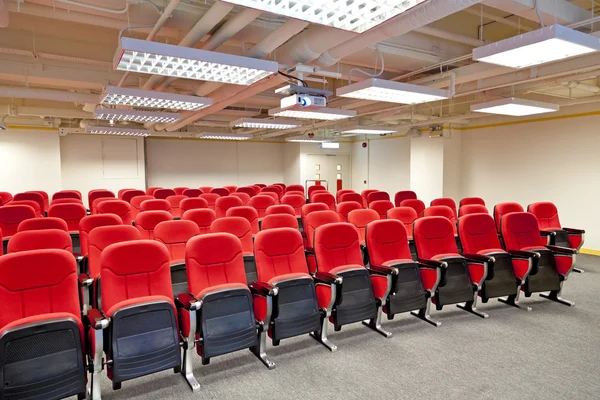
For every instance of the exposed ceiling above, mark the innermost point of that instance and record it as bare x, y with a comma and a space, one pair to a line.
56, 56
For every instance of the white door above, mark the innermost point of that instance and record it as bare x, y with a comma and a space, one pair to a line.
328, 169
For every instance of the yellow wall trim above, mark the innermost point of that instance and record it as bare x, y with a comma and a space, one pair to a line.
589, 251
529, 121
32, 128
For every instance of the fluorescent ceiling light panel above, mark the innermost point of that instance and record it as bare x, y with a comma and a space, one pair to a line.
115, 95
321, 113
113, 114
392, 92
356, 16
368, 130
301, 140
515, 107
330, 145
146, 57
261, 123
223, 136
105, 130
544, 45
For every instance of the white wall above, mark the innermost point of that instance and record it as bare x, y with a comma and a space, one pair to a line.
101, 162
291, 164
197, 163
452, 165
427, 167
29, 160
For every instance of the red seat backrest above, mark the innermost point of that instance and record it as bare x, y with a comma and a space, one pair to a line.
294, 188
249, 213
179, 190
164, 193
220, 191
337, 245
381, 206
261, 203
434, 236
131, 270
66, 194
146, 221
203, 217
44, 197
192, 203
211, 199
546, 213
345, 207
441, 211
98, 194
150, 191
273, 221
273, 189
231, 188
406, 215
32, 196
66, 201
314, 220
30, 276
175, 202
237, 226
274, 195
377, 196
351, 197
360, 219
40, 239
387, 240
416, 204
117, 207
91, 222
192, 192
225, 203
294, 200
71, 213
5, 197
502, 209
324, 197
404, 195
214, 259
136, 203
311, 207
520, 230
102, 237
445, 201
206, 189
244, 197
130, 194
472, 209
279, 252
339, 193
478, 232
280, 209
174, 235
121, 191
155, 205
29, 203
365, 194
36, 224
467, 201
249, 190
315, 188
12, 215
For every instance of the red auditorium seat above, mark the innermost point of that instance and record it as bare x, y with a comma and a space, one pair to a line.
325, 198
67, 194
155, 205
467, 201
307, 209
150, 191
505, 274
260, 185
294, 188
30, 203
344, 208
71, 213
472, 209
284, 296
416, 204
66, 201
143, 334
225, 203
551, 265
231, 188
406, 215
32, 196
244, 197
273, 221
192, 192
445, 201
35, 224
377, 196
442, 211
501, 209
48, 332
261, 203
381, 206
283, 186
117, 207
404, 195
294, 200
206, 189
220, 191
346, 289
174, 235
311, 221
271, 192
192, 203
44, 197
280, 209
226, 321
136, 203
5, 197
240, 228
94, 207
164, 193
40, 239
315, 188
175, 202
390, 255
352, 197
103, 236
360, 219
130, 194
249, 213
211, 199
257, 189
179, 190
146, 221
203, 217
365, 194
10, 218
273, 189
91, 222
339, 193
249, 190
547, 216
447, 275
98, 194
121, 191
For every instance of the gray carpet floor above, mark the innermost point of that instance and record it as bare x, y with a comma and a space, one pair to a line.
552, 352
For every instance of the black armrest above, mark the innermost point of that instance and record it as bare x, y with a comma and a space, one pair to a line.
432, 263
561, 250
96, 319
264, 289
187, 301
383, 270
524, 254
85, 280
327, 278
480, 258
574, 231
547, 233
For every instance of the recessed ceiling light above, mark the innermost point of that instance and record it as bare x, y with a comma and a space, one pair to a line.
222, 136
544, 45
368, 130
262, 123
515, 107
356, 16
147, 98
321, 113
104, 130
143, 56
392, 92
330, 145
113, 114
301, 140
